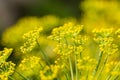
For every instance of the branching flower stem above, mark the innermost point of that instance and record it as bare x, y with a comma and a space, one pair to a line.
21, 75
66, 74
99, 61
106, 58
70, 62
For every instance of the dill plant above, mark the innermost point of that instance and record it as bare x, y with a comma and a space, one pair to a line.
71, 61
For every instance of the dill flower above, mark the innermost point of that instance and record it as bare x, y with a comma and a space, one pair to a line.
5, 54
30, 39
69, 46
31, 66
87, 64
66, 31
63, 50
102, 34
6, 69
69, 39
49, 72
105, 39
109, 48
30, 63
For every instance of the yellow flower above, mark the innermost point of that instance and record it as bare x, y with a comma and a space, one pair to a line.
5, 54
104, 37
30, 39
50, 73
30, 63
6, 69
66, 31
86, 66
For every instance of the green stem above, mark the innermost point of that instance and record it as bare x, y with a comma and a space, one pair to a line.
116, 78
76, 67
99, 60
102, 66
66, 74
108, 78
71, 70
22, 75
11, 78
41, 65
43, 54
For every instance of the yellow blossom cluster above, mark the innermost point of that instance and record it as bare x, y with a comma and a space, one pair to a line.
86, 66
6, 69
30, 63
50, 72
86, 63
69, 45
69, 39
66, 31
105, 39
5, 54
71, 58
31, 40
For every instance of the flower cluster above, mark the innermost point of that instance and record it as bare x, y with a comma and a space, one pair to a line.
5, 54
69, 41
30, 63
30, 66
30, 39
50, 72
86, 66
68, 38
66, 31
105, 39
71, 58
69, 45
6, 69
86, 63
